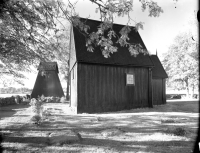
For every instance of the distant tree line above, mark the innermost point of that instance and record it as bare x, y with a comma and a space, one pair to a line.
13, 90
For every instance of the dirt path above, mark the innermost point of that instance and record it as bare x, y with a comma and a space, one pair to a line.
171, 128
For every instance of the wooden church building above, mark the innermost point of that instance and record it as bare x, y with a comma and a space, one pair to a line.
47, 82
120, 82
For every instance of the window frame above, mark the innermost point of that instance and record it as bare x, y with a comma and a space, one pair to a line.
128, 83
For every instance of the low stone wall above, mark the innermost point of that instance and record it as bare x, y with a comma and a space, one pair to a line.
180, 96
10, 101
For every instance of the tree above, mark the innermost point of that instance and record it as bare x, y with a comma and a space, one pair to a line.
103, 36
28, 34
32, 31
181, 62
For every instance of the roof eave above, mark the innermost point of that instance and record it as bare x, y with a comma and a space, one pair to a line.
115, 64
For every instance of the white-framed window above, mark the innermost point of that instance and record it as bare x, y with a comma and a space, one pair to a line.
130, 79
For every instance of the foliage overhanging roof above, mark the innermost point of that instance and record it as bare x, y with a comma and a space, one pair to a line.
121, 57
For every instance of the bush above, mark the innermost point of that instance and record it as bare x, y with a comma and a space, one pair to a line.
36, 119
62, 99
179, 131
37, 110
168, 121
176, 97
49, 99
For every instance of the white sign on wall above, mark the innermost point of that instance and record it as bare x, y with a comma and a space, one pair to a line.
130, 79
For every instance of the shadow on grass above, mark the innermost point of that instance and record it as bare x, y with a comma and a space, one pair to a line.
6, 113
137, 121
18, 139
182, 106
9, 111
121, 146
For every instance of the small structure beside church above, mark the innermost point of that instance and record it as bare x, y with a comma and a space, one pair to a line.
120, 82
47, 82
158, 81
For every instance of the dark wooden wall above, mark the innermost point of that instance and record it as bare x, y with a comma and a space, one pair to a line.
102, 88
159, 91
47, 85
164, 90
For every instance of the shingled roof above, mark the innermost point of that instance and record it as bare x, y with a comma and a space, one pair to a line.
48, 66
121, 57
158, 71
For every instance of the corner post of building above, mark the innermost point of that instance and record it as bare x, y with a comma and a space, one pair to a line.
163, 91
150, 93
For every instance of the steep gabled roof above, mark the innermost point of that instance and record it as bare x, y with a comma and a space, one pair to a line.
158, 71
121, 57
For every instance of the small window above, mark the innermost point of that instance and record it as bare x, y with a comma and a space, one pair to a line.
130, 79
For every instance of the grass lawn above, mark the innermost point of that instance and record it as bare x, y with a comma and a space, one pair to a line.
171, 128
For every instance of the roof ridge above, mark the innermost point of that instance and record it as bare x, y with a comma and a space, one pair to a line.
102, 21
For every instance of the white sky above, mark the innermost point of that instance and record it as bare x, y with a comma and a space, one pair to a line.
158, 33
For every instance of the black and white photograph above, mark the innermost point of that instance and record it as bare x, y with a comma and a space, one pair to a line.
99, 76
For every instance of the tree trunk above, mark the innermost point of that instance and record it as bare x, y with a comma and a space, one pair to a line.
193, 91
187, 87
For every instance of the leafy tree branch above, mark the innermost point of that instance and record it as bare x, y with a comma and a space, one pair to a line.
32, 31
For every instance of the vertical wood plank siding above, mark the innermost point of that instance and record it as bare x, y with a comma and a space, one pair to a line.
150, 96
164, 90
159, 97
102, 88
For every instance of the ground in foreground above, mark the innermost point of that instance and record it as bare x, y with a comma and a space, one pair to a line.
171, 128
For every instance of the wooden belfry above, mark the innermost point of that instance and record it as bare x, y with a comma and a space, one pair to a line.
47, 82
